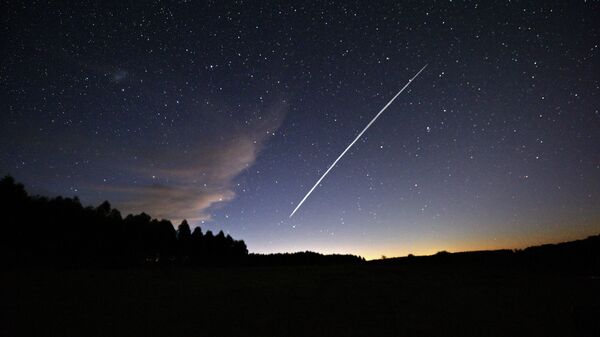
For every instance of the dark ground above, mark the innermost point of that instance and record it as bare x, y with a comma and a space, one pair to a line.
356, 300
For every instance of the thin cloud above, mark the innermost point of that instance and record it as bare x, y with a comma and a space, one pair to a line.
190, 188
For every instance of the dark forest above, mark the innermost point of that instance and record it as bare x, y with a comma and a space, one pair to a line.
60, 232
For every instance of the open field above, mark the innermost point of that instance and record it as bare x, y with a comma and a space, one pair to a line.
355, 300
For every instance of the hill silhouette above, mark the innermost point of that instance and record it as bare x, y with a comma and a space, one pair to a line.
579, 256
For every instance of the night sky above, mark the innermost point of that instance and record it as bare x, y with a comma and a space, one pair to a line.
227, 114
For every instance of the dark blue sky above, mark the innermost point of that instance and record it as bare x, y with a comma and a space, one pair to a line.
227, 114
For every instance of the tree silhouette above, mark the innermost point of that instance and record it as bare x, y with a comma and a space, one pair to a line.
184, 237
197, 251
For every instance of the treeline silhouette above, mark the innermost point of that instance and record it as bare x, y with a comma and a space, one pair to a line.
39, 231
302, 258
60, 232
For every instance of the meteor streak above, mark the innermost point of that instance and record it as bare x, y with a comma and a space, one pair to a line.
355, 139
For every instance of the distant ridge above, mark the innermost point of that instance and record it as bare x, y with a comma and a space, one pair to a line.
579, 255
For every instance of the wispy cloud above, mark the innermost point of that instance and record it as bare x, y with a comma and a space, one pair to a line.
188, 188
172, 202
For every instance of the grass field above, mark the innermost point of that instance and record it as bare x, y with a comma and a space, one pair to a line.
356, 300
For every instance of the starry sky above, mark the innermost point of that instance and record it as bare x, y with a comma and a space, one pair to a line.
226, 114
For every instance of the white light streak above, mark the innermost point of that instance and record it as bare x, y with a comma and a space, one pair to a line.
356, 139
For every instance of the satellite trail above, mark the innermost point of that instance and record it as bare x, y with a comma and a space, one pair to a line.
355, 139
